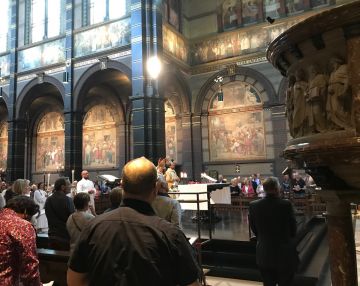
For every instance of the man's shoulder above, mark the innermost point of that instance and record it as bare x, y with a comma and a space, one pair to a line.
134, 220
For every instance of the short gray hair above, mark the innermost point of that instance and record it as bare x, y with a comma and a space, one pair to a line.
271, 185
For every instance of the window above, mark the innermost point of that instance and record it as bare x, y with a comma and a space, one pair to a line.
46, 19
104, 10
4, 27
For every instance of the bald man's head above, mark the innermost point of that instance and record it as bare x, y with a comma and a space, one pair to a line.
139, 177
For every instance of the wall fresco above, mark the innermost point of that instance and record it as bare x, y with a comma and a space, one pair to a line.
175, 44
50, 143
236, 127
99, 138
102, 38
3, 144
42, 55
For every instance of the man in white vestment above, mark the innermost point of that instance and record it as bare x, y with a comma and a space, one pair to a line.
87, 186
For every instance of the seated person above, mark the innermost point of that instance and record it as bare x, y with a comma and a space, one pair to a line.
234, 187
299, 186
115, 197
78, 219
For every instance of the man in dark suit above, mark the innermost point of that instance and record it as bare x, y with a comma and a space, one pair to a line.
273, 222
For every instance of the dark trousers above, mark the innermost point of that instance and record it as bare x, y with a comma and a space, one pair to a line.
273, 277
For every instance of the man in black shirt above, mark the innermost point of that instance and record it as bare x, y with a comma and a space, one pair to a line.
131, 245
58, 208
273, 222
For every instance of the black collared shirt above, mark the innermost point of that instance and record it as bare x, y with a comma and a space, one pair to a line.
58, 208
132, 246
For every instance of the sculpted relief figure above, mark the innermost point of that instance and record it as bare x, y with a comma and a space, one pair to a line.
356, 113
299, 103
338, 105
289, 103
316, 98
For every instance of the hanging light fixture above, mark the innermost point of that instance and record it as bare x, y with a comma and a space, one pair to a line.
220, 93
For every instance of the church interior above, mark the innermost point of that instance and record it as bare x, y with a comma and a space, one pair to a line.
231, 91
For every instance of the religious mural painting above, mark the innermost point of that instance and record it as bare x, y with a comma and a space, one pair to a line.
42, 55
170, 131
272, 8
175, 44
236, 125
238, 43
50, 143
116, 34
236, 13
3, 144
319, 3
294, 6
230, 14
171, 13
99, 138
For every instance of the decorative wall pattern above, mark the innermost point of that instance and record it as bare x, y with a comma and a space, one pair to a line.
99, 138
236, 126
3, 144
50, 143
42, 55
175, 44
102, 38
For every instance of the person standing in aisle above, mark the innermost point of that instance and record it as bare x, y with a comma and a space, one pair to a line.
87, 186
273, 222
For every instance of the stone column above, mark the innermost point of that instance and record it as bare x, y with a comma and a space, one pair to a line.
15, 161
341, 244
72, 119
187, 150
148, 124
16, 149
197, 146
73, 143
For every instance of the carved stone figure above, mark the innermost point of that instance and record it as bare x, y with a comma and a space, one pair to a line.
300, 106
338, 105
289, 104
356, 113
316, 98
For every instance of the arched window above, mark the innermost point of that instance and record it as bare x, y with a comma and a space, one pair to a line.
99, 138
50, 153
3, 144
4, 27
46, 19
104, 10
170, 131
236, 125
